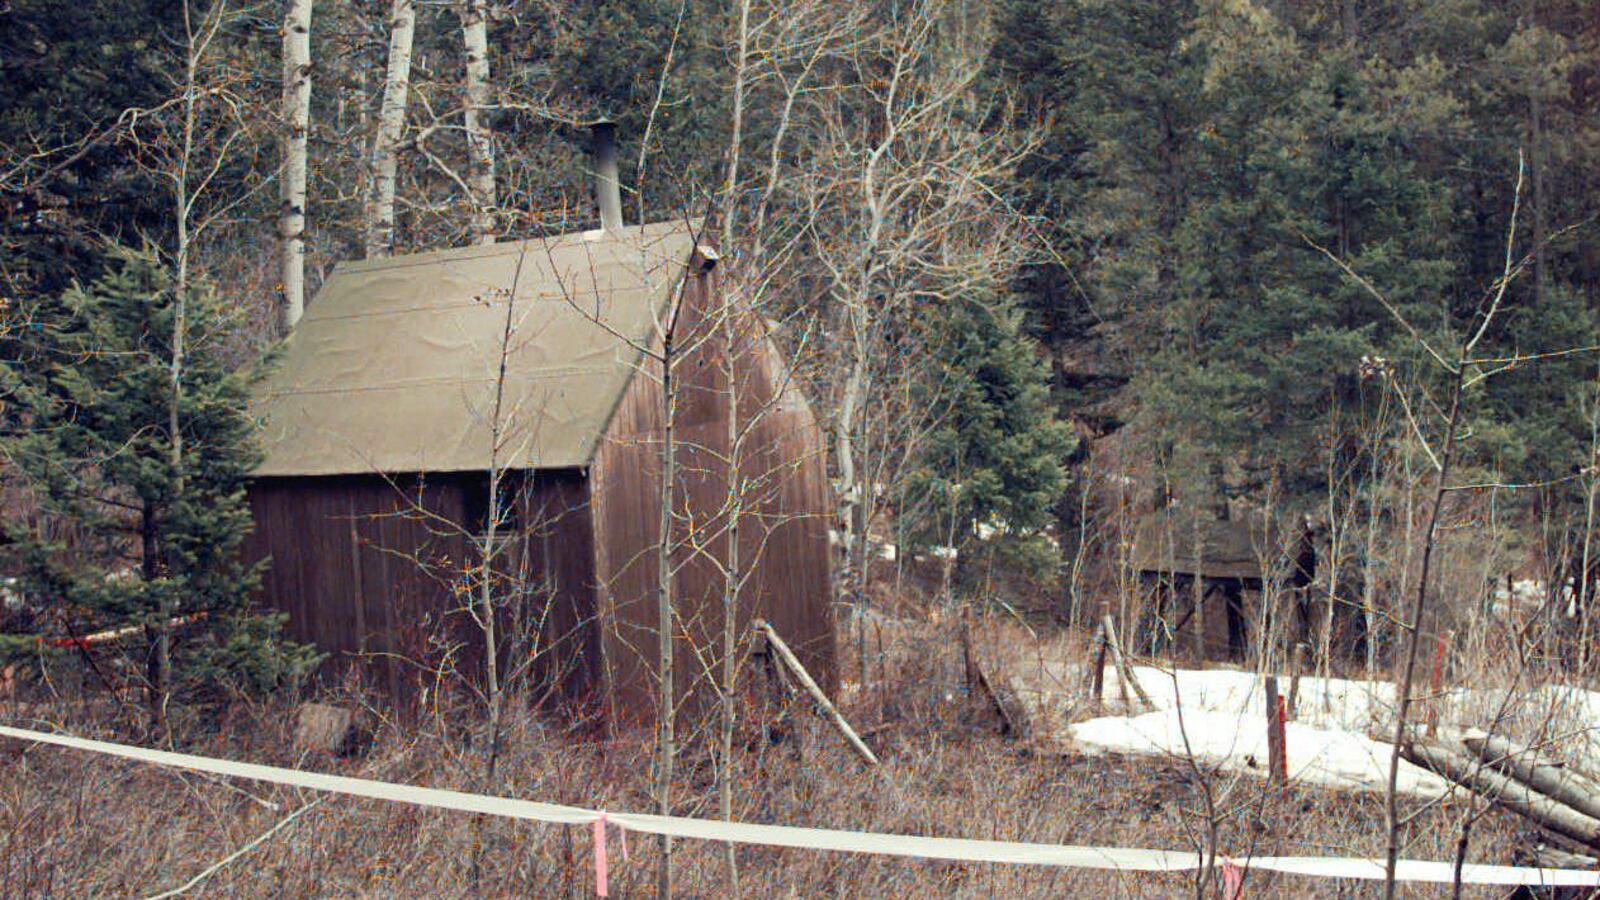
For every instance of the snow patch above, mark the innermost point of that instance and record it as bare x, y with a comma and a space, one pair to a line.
1219, 717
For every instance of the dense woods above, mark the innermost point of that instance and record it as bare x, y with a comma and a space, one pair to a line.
1044, 268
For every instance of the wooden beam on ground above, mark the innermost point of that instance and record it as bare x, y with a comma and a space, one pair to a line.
1455, 762
1547, 776
792, 662
1015, 722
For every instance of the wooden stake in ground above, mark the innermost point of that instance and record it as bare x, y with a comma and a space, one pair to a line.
793, 664
1277, 761
1097, 666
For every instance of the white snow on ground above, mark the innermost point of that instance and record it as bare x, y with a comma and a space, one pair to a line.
1337, 737
1221, 721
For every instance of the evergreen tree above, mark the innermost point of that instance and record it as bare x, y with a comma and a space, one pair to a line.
67, 72
121, 538
1299, 144
989, 475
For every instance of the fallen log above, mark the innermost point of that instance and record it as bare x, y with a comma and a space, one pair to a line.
1124, 671
792, 663
1459, 765
1547, 776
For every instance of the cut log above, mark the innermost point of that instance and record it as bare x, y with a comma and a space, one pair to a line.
1455, 762
792, 663
1547, 776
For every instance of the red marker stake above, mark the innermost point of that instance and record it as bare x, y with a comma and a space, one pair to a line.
1436, 681
1283, 743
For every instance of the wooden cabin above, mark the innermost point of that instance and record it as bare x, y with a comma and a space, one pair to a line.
412, 378
1203, 578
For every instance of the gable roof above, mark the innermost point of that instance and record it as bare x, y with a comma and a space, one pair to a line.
395, 365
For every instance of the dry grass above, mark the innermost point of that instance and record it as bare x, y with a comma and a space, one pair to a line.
71, 825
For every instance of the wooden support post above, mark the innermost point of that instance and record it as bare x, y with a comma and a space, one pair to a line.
1097, 665
792, 662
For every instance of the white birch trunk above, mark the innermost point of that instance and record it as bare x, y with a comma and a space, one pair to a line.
292, 187
852, 492
480, 142
730, 203
391, 126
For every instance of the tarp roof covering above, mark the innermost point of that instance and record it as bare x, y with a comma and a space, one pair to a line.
1167, 541
395, 365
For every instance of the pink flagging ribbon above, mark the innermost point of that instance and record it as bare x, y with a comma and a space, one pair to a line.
1232, 880
601, 882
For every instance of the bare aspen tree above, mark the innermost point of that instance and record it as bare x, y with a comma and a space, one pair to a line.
385, 156
900, 193
502, 430
666, 624
664, 352
197, 41
732, 582
731, 572
480, 140
504, 448
292, 187
184, 142
182, 198
661, 353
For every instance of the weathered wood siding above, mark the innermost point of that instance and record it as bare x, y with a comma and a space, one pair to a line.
372, 570
783, 527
